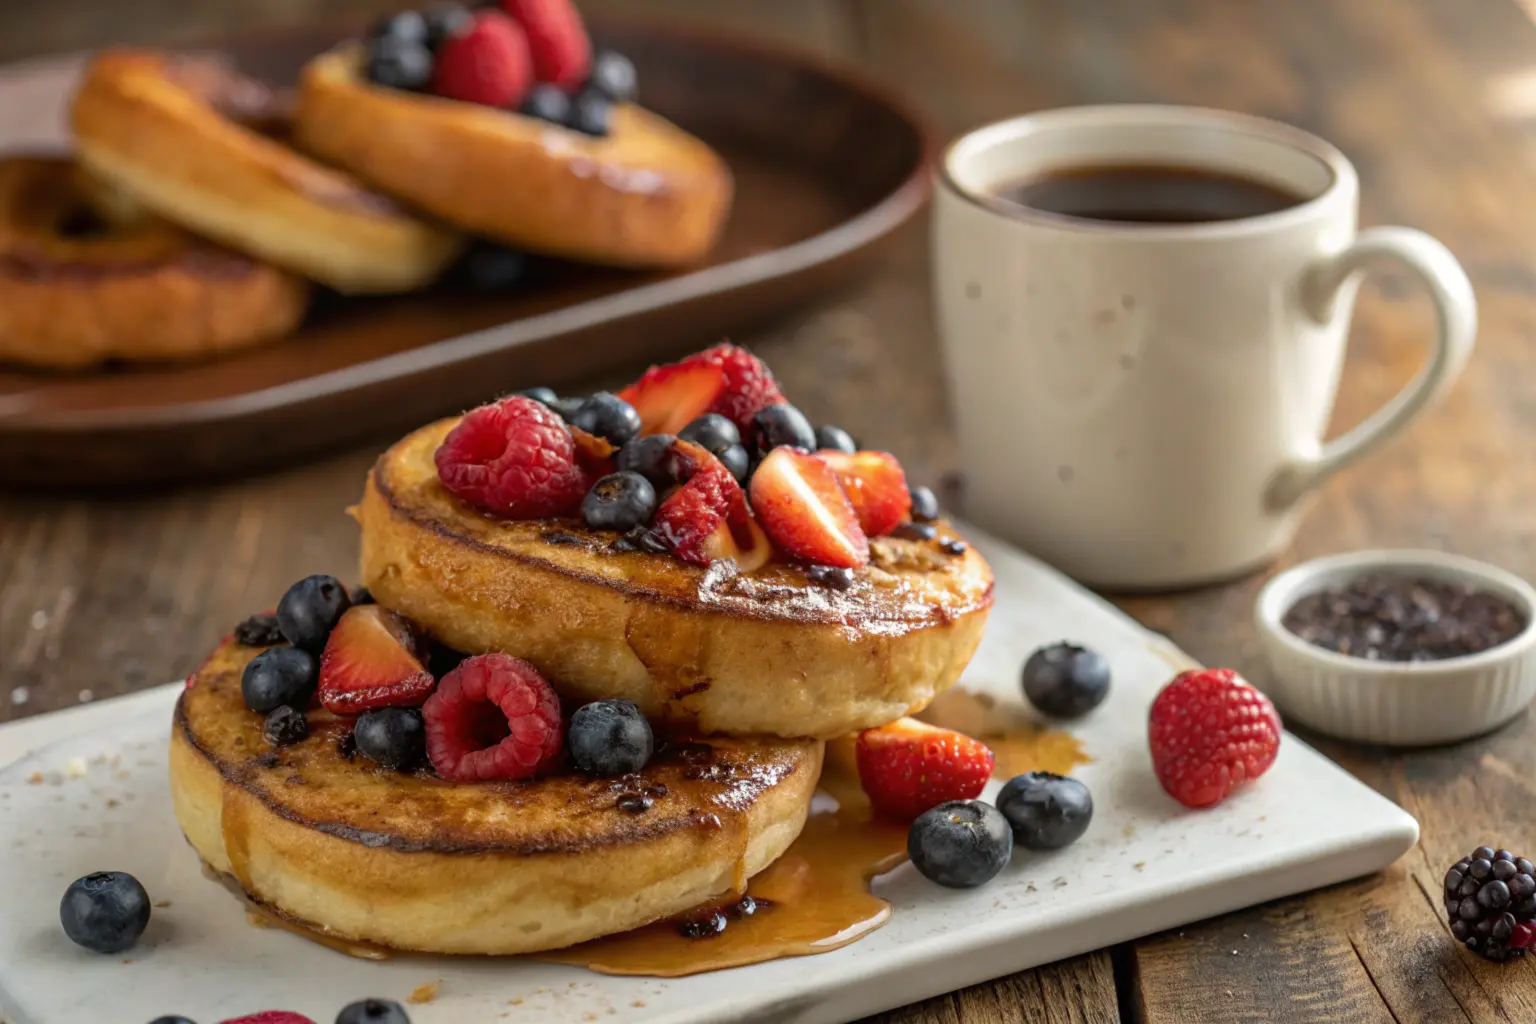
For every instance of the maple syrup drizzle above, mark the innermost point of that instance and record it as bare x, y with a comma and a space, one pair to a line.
1019, 744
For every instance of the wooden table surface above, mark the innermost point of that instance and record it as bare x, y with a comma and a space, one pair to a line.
1434, 100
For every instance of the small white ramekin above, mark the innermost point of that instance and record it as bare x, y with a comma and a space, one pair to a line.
1396, 703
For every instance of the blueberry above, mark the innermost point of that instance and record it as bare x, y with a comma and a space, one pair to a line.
105, 912
830, 438
399, 64
610, 737
613, 75
488, 267
172, 1020
373, 1011
259, 631
619, 501
544, 396
782, 424
914, 531
285, 726
608, 416
736, 459
712, 432
361, 596
407, 26
652, 458
566, 408
310, 610
279, 676
443, 660
394, 737
960, 844
446, 21
925, 506
1046, 811
548, 103
830, 576
590, 113
1066, 681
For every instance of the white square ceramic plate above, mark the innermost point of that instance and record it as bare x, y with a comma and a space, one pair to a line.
91, 796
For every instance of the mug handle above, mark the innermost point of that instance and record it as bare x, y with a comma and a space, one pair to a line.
1455, 332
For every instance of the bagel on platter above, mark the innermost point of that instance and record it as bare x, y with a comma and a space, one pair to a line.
180, 134
87, 276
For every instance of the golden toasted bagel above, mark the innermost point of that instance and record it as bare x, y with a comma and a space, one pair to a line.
177, 133
86, 278
764, 652
413, 862
647, 194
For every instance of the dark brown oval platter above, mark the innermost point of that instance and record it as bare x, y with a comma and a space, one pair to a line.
827, 163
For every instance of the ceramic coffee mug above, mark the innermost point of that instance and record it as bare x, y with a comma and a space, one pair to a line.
1142, 404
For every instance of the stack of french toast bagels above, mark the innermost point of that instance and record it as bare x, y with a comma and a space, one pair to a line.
201, 207
597, 652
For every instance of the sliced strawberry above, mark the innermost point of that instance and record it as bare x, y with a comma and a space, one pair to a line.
909, 767
373, 659
708, 518
805, 511
876, 485
668, 398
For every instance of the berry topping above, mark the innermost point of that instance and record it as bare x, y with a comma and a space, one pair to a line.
782, 425
1490, 899
806, 513
285, 726
491, 268
1046, 811
914, 531
608, 416
613, 75
565, 408
178, 1019
547, 103
373, 1011
1066, 681
835, 439
375, 659
1210, 734
708, 518
544, 396
668, 398
105, 912
652, 458
960, 844
610, 737
877, 487
310, 609
278, 677
408, 26
712, 432
830, 576
749, 386
361, 595
487, 63
562, 54
907, 767
591, 114
446, 21
514, 458
270, 1017
738, 462
925, 505
619, 501
394, 737
397, 63
259, 631
493, 717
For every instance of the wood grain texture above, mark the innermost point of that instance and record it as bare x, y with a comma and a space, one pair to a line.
1435, 100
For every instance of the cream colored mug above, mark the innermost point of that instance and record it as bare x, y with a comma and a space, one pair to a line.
1142, 405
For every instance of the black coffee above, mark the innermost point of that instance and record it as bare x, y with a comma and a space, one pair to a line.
1148, 194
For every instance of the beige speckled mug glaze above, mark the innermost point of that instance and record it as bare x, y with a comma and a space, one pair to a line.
1143, 405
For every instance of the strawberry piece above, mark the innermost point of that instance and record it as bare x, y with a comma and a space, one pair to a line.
271, 1017
1211, 733
594, 455
909, 767
373, 659
488, 63
493, 717
805, 511
668, 398
877, 487
562, 52
514, 458
708, 518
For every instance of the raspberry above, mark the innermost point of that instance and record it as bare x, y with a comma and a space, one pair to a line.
1210, 734
493, 717
487, 64
271, 1017
514, 458
557, 39
749, 385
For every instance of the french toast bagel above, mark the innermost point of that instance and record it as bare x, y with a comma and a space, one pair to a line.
328, 840
765, 652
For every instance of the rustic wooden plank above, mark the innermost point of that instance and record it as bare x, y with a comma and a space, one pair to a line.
1076, 991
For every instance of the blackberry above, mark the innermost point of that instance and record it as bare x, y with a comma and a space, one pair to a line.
259, 631
1490, 899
